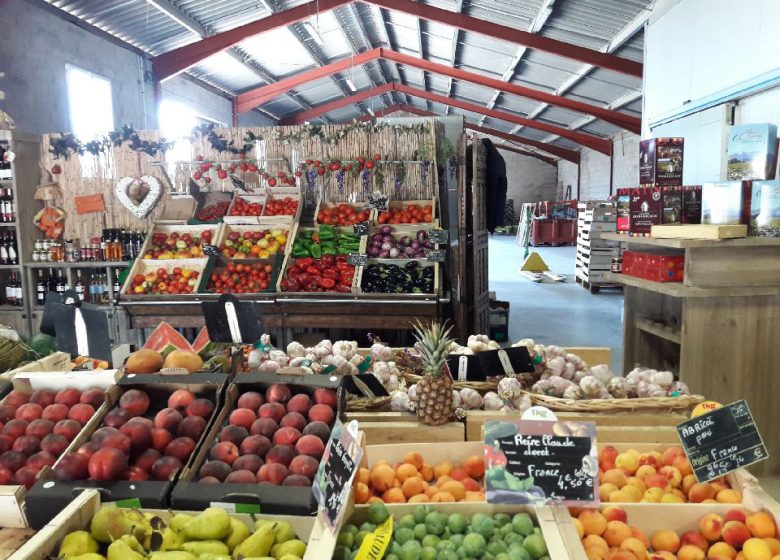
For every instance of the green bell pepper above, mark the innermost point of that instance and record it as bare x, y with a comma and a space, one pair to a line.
315, 251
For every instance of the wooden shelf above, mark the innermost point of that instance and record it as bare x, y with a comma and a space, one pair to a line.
10, 266
10, 309
80, 264
693, 243
7, 224
677, 289
656, 329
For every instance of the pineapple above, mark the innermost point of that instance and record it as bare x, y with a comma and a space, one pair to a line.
434, 390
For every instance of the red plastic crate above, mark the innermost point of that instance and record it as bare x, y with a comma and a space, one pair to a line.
656, 268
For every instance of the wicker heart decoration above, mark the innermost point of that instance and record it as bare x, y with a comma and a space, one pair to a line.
138, 194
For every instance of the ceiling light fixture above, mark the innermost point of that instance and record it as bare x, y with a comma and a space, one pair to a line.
313, 32
350, 84
370, 111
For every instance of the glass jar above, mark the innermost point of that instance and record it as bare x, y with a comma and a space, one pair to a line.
72, 252
56, 252
39, 244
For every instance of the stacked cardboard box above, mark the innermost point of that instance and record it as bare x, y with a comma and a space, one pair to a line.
594, 254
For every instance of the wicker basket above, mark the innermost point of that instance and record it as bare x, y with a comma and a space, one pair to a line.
481, 386
367, 404
647, 404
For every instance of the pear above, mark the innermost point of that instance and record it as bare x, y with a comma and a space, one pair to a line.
76, 543
283, 532
209, 556
262, 523
238, 533
292, 547
211, 524
289, 557
121, 550
258, 543
88, 556
200, 547
111, 523
179, 521
170, 540
173, 555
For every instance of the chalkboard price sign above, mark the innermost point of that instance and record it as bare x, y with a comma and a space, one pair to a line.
530, 461
436, 235
356, 259
378, 201
435, 255
722, 441
210, 250
338, 472
360, 228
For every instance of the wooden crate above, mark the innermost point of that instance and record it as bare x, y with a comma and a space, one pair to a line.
404, 230
593, 355
59, 361
402, 427
220, 263
401, 204
13, 539
358, 288
456, 453
288, 228
280, 193
238, 220
216, 230
79, 513
356, 206
144, 266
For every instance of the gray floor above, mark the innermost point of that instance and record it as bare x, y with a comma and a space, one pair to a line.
565, 314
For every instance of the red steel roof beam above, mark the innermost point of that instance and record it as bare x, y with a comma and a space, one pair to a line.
523, 152
504, 33
569, 155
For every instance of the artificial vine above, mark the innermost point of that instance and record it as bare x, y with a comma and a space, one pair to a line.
66, 144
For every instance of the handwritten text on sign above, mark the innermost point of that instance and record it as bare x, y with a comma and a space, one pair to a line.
338, 473
722, 441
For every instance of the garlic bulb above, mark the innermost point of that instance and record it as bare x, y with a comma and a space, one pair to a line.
399, 402
345, 348
381, 352
493, 345
556, 365
461, 350
279, 356
323, 348
591, 387
527, 342
470, 399
455, 399
522, 404
662, 378
357, 359
392, 383
381, 371
476, 344
644, 390
491, 401
412, 391
509, 388
552, 386
572, 392
296, 350
255, 358
640, 374
602, 373
555, 351
269, 366
619, 387
507, 409
568, 371
578, 362
297, 362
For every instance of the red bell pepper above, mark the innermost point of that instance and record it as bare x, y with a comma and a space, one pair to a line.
313, 271
344, 289
326, 283
304, 262
331, 273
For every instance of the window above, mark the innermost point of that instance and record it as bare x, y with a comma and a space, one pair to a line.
90, 104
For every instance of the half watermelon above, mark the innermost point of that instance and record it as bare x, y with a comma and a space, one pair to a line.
202, 343
165, 339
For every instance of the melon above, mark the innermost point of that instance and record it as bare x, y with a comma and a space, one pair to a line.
144, 361
165, 339
186, 359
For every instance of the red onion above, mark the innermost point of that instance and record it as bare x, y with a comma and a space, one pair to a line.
374, 251
415, 245
384, 254
377, 243
406, 241
386, 230
422, 235
394, 253
387, 246
388, 239
376, 237
409, 252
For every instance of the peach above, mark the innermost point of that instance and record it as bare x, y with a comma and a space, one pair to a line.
605, 490
614, 476
644, 471
102, 433
255, 445
304, 465
54, 444
286, 436
672, 498
146, 459
25, 477
656, 481
181, 399
139, 434
161, 438
165, 467
181, 448
27, 445
248, 463
241, 477
616, 532
6, 476
283, 454
670, 454
325, 396
299, 403
755, 549
273, 410
69, 429
711, 526
627, 462
118, 441
296, 480
648, 460
694, 538
593, 522
721, 550
72, 466
192, 427
774, 545
69, 397
319, 429
209, 480
242, 417
701, 491
311, 446
736, 514
200, 407
225, 451
251, 400
55, 412
136, 474
29, 412
82, 413
168, 418
15, 428
688, 481
321, 413
729, 496
107, 464
293, 420
7, 413
94, 396
12, 460
690, 552
135, 402
44, 397
672, 475
272, 473
215, 469
88, 449
594, 541
17, 398
39, 428
735, 533
264, 427
278, 393
761, 524
6, 442
635, 547
615, 513
665, 540
233, 434
37, 461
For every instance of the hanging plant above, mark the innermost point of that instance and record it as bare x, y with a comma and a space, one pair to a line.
400, 176
66, 144
225, 171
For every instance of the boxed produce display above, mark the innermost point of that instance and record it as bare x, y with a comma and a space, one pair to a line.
264, 447
149, 279
179, 241
317, 261
245, 209
254, 241
654, 267
89, 529
42, 417
453, 531
725, 203
326, 240
752, 152
282, 204
645, 208
212, 207
408, 212
244, 276
399, 276
136, 446
661, 161
399, 242
342, 213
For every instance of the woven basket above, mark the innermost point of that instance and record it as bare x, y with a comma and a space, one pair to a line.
647, 404
481, 386
365, 404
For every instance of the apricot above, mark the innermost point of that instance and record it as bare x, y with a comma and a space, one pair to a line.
670, 454
761, 524
729, 496
405, 471
665, 540
426, 472
470, 485
440, 497
694, 538
644, 470
362, 493
614, 476
672, 475
652, 495
640, 536
721, 550
635, 547
165, 467
456, 488
474, 466
774, 545
616, 532
594, 541
55, 412
615, 513
382, 477
690, 552
458, 474
630, 493
662, 555
303, 465
593, 522
671, 498
656, 481
363, 475
627, 462
442, 469
634, 481
736, 514
711, 526
735, 533
605, 490
419, 499
683, 465
700, 491
242, 417
688, 481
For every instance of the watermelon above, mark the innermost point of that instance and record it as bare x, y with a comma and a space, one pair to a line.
43, 344
202, 343
165, 339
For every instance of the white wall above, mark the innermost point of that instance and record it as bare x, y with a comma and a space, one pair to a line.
528, 179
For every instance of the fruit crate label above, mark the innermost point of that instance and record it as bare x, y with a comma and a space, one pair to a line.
436, 235
237, 508
722, 441
538, 462
378, 201
435, 255
375, 544
337, 469
210, 250
356, 259
360, 228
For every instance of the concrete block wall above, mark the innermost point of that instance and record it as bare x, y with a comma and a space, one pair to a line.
528, 179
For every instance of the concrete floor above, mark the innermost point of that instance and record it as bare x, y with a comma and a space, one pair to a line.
565, 314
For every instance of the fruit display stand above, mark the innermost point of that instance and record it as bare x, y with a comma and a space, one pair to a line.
58, 361
280, 195
403, 427
401, 206
275, 498
144, 267
162, 232
50, 495
12, 510
234, 214
421, 263
78, 515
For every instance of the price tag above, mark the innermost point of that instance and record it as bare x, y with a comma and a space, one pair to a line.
435, 255
339, 464
210, 250
237, 508
378, 201
722, 441
437, 235
375, 544
356, 259
360, 228
541, 461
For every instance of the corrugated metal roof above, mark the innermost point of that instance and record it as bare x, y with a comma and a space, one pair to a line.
350, 29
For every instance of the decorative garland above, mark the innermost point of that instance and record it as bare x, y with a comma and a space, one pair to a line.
67, 144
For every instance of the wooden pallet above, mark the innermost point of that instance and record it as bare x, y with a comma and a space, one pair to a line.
595, 287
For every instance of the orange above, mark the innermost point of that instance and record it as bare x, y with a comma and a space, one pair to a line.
442, 469
455, 488
405, 471
475, 466
375, 500
426, 472
442, 497
394, 496
382, 477
412, 486
363, 475
474, 497
362, 493
431, 491
414, 458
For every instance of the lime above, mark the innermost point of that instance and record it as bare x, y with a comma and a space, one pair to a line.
430, 540
474, 545
407, 521
535, 546
403, 535
360, 536
435, 522
456, 540
517, 552
420, 531
445, 545
377, 513
420, 512
428, 553
505, 530
392, 557
457, 523
522, 524
497, 546
512, 538
411, 550
483, 525
346, 539
368, 526
501, 519
447, 555
341, 553
350, 528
